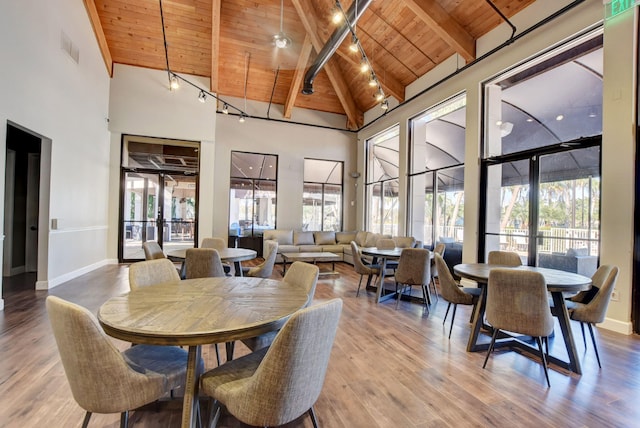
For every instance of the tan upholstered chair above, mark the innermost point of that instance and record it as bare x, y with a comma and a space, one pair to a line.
439, 249
591, 307
203, 263
451, 292
305, 275
414, 268
265, 269
103, 379
504, 258
152, 250
151, 272
385, 244
362, 268
517, 302
276, 385
217, 244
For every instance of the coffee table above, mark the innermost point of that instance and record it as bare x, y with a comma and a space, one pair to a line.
313, 258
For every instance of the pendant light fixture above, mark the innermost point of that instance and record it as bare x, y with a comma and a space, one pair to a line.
281, 40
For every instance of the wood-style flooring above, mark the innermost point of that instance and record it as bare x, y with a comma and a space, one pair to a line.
389, 368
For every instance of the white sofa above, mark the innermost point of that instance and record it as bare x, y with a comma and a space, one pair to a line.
292, 241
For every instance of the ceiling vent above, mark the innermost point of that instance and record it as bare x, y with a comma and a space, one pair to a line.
69, 47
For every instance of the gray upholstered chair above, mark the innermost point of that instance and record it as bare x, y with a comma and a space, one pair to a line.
265, 269
304, 275
276, 385
217, 244
385, 244
103, 379
361, 267
203, 263
517, 302
591, 307
151, 272
439, 249
504, 258
451, 292
152, 250
414, 268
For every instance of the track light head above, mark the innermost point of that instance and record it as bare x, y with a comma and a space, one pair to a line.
173, 82
353, 47
202, 97
364, 65
384, 105
225, 109
241, 119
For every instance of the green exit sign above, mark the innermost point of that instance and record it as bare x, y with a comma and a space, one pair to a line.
616, 7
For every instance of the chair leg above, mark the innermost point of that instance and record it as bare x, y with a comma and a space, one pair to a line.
435, 289
425, 296
595, 347
453, 317
214, 415
217, 354
584, 339
85, 422
493, 342
124, 419
399, 295
312, 414
360, 283
544, 360
446, 313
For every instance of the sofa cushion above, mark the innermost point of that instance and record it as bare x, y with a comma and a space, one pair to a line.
335, 248
303, 238
288, 249
361, 238
310, 248
283, 236
324, 238
372, 239
345, 237
404, 241
577, 252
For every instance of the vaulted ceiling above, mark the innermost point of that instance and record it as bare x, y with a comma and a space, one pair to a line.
231, 42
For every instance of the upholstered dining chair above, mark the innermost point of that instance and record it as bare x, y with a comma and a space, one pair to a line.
152, 250
504, 258
591, 307
517, 302
451, 292
414, 268
388, 244
203, 263
217, 244
103, 379
304, 275
361, 267
265, 269
151, 272
438, 249
276, 385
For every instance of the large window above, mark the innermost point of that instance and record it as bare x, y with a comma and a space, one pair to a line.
541, 167
322, 203
437, 156
382, 184
253, 193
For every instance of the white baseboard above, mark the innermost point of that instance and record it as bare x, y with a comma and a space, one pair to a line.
51, 283
624, 327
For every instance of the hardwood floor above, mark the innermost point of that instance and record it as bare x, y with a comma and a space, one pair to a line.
389, 368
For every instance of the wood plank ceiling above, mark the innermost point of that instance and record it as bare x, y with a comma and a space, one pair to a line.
227, 40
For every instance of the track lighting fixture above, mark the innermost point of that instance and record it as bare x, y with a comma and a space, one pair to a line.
353, 47
225, 108
241, 119
379, 95
364, 65
281, 40
173, 82
336, 14
384, 105
202, 97
373, 82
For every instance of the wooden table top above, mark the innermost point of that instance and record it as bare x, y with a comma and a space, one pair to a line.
557, 280
201, 311
226, 255
389, 253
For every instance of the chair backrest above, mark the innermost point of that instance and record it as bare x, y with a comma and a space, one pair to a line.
504, 258
414, 267
358, 264
215, 243
291, 374
265, 269
517, 301
100, 379
203, 263
151, 272
440, 248
449, 289
304, 275
152, 250
385, 244
595, 311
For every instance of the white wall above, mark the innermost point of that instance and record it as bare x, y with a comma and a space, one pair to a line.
618, 131
48, 93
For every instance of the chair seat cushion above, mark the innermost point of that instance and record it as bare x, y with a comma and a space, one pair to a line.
219, 381
259, 342
167, 361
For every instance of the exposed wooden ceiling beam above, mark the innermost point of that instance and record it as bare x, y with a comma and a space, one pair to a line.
309, 19
215, 44
444, 26
298, 75
99, 32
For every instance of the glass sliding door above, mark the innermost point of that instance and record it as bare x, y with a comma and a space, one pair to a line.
140, 209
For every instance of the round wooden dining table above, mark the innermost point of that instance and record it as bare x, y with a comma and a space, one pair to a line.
558, 282
235, 255
200, 311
